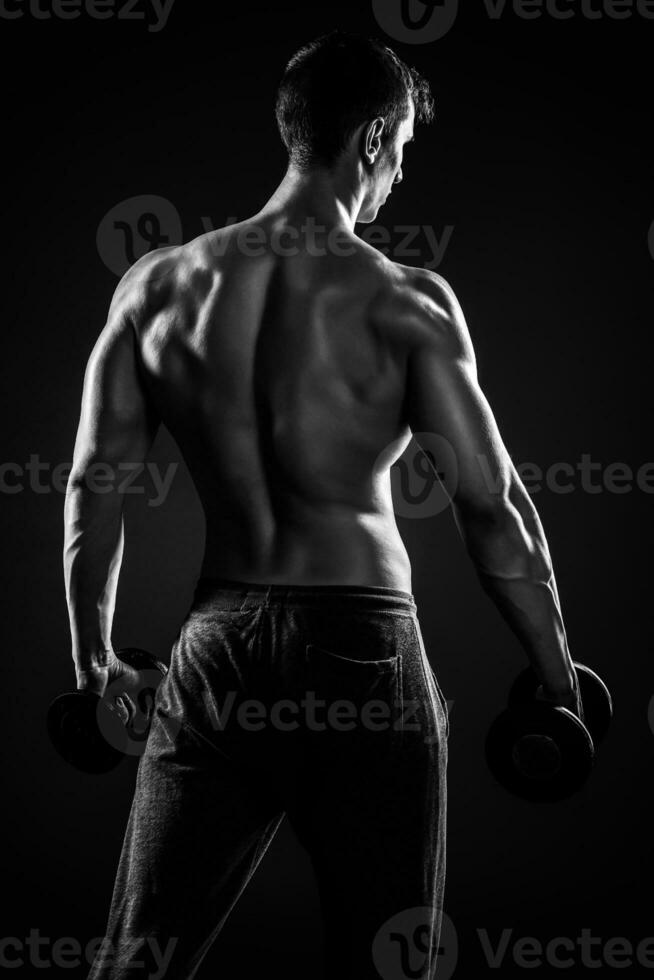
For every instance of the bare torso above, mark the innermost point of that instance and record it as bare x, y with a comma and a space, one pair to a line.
282, 379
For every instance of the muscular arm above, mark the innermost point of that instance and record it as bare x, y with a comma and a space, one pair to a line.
116, 426
495, 515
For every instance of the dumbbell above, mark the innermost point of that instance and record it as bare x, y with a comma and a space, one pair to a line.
543, 752
86, 730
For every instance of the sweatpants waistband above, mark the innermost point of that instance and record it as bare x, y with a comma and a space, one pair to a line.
233, 595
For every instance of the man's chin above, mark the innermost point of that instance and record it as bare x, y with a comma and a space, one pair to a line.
367, 215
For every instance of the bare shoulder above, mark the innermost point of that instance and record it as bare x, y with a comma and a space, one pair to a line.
160, 279
422, 309
145, 285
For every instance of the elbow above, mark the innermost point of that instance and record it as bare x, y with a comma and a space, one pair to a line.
487, 515
77, 481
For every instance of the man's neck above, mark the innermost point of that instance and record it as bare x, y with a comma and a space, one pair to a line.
331, 197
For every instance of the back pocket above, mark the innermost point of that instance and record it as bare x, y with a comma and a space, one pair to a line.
349, 665
347, 673
362, 694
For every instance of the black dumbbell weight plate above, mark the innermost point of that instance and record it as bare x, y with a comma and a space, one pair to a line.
539, 753
86, 732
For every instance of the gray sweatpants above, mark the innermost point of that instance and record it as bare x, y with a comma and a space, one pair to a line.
317, 703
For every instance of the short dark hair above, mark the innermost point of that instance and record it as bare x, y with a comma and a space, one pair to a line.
337, 82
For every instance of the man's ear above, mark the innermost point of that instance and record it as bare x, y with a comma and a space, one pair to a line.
372, 138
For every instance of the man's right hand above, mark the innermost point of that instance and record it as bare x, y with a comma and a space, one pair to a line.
118, 679
570, 699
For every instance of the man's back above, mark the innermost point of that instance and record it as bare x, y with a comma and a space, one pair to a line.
291, 362
280, 375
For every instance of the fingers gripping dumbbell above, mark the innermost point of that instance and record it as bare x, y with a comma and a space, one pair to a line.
544, 752
95, 733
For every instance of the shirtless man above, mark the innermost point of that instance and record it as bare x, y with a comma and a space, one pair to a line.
292, 375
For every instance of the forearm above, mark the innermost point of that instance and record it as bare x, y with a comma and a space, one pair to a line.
93, 549
510, 553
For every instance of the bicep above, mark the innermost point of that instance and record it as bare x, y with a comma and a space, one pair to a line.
453, 422
117, 421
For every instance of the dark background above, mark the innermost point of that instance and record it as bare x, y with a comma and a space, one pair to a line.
540, 161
